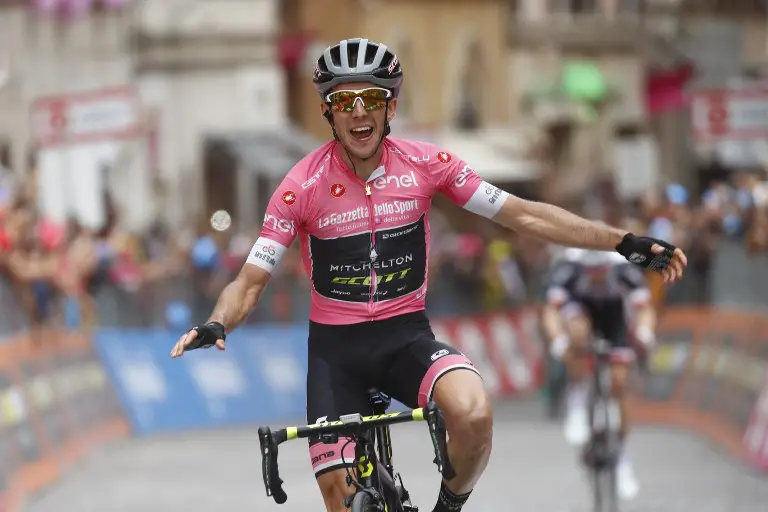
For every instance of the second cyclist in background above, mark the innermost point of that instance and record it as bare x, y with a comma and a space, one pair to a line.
596, 293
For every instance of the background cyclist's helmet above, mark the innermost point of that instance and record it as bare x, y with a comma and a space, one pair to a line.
357, 60
596, 259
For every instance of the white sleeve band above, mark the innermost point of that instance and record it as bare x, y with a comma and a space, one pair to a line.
266, 254
487, 200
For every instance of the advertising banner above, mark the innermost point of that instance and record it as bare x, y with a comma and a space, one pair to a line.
261, 377
756, 436
46, 388
504, 347
666, 365
709, 373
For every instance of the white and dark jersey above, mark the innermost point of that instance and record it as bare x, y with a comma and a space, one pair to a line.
608, 302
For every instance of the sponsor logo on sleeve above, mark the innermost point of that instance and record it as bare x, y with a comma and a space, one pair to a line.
265, 253
463, 176
493, 193
285, 226
313, 179
444, 157
289, 197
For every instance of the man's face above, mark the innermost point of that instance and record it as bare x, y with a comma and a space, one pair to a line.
597, 274
358, 111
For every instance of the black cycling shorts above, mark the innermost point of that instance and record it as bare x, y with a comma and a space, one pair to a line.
398, 355
608, 321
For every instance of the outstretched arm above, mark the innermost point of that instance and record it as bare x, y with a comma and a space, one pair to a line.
456, 179
235, 303
240, 297
556, 225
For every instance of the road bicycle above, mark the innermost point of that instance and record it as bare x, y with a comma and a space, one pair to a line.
378, 487
601, 453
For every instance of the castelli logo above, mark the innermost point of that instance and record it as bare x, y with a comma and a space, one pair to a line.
337, 190
289, 197
444, 157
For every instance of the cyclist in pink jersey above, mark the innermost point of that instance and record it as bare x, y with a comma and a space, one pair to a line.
360, 207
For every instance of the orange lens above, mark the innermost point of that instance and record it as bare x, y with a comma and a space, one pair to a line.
345, 101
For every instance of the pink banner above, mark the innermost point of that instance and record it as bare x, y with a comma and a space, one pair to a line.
756, 436
665, 92
74, 8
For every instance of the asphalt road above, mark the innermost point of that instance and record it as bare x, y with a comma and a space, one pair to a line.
531, 470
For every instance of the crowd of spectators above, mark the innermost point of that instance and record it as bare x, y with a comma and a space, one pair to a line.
79, 276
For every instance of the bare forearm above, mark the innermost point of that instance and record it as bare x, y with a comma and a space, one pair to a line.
235, 303
557, 225
646, 317
552, 323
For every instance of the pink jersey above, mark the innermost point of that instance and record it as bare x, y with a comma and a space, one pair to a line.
365, 245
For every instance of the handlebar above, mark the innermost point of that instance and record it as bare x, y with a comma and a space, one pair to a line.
350, 424
272, 482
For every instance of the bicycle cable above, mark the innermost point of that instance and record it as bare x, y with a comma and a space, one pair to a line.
346, 467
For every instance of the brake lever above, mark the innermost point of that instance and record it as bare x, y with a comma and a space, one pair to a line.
437, 432
269, 469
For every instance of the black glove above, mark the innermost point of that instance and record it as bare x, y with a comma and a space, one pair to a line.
207, 335
637, 250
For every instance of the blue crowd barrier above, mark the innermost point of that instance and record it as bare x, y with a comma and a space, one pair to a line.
259, 379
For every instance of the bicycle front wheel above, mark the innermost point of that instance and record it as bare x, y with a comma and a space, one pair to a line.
605, 498
363, 502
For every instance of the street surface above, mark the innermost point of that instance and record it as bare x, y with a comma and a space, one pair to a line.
531, 470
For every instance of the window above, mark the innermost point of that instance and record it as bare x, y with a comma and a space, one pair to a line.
471, 77
573, 6
405, 102
5, 154
400, 44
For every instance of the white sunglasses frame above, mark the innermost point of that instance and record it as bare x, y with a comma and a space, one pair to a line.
354, 104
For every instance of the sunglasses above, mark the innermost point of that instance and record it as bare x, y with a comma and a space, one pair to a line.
372, 99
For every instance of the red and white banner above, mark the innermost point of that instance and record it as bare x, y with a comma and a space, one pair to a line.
504, 347
756, 436
730, 113
86, 117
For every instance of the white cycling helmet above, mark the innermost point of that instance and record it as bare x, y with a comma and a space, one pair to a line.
595, 259
357, 60
591, 258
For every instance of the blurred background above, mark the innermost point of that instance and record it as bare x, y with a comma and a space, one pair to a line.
125, 124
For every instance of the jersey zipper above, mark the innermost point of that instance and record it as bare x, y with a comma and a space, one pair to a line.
372, 252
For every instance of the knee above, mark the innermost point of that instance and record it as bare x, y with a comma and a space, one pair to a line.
579, 331
469, 415
619, 384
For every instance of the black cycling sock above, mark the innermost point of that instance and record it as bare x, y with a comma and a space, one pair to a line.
447, 501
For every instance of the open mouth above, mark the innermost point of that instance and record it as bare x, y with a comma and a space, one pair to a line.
362, 134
